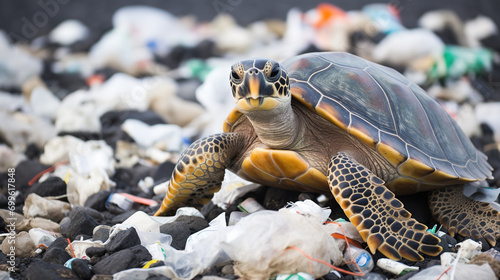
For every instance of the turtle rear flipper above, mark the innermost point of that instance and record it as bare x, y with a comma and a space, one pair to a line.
465, 216
378, 216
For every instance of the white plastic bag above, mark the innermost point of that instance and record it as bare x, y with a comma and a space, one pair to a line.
462, 272
267, 243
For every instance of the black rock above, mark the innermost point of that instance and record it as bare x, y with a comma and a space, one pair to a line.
45, 270
95, 251
97, 200
3, 226
56, 256
97, 215
53, 186
25, 171
59, 242
109, 135
102, 277
179, 232
194, 223
3, 201
32, 151
182, 228
447, 243
278, 198
117, 118
114, 134
80, 223
333, 275
433, 263
123, 239
82, 268
102, 233
118, 219
130, 177
85, 44
128, 258
164, 171
158, 277
62, 82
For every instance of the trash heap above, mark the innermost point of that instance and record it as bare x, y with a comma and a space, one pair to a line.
92, 127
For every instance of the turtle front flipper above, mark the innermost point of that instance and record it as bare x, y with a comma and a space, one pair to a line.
378, 216
200, 171
465, 216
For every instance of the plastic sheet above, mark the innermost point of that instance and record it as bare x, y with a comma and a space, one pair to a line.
462, 272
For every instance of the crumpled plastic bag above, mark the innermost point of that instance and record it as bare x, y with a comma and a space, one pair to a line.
268, 243
37, 206
463, 272
258, 243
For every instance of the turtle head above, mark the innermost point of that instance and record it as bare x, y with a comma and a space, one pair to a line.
259, 84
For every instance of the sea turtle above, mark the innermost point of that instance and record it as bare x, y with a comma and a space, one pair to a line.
334, 122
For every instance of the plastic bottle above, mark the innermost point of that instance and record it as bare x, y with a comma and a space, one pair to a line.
361, 257
395, 267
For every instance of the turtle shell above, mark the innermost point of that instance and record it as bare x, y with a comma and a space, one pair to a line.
387, 112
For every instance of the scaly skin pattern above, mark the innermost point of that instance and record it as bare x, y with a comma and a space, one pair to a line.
378, 216
200, 171
465, 216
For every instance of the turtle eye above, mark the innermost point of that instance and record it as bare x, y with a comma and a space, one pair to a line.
235, 75
274, 72
237, 72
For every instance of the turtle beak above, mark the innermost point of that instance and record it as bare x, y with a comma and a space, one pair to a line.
254, 86
255, 95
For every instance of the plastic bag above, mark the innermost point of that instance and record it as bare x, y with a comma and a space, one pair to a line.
260, 244
462, 272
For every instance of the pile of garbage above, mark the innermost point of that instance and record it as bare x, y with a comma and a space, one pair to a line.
92, 128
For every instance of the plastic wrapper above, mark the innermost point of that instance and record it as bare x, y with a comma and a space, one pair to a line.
146, 136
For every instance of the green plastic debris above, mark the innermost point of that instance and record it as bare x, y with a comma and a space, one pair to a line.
457, 61
198, 68
433, 229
